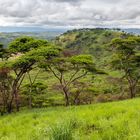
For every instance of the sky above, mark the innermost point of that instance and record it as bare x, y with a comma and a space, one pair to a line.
70, 13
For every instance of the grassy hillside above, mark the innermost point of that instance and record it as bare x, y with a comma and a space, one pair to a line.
95, 42
109, 121
90, 41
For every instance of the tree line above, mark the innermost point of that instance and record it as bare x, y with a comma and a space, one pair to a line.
25, 54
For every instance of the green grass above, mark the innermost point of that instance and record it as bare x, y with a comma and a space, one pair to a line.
109, 121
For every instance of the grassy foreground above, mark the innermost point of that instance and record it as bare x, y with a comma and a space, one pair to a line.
109, 121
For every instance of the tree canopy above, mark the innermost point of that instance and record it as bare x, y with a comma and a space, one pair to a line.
126, 59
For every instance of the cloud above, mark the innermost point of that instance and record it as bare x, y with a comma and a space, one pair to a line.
70, 13
68, 1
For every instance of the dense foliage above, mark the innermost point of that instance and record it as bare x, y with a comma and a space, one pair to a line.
79, 67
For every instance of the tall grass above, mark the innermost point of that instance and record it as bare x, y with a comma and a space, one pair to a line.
61, 131
109, 121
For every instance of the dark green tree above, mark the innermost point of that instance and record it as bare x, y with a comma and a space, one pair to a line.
28, 52
126, 59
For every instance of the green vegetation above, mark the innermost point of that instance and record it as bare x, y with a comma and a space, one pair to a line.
71, 71
80, 67
107, 121
14, 71
126, 59
106, 46
89, 41
68, 71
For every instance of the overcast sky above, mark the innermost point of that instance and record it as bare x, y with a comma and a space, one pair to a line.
70, 13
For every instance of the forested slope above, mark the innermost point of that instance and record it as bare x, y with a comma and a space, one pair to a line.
80, 49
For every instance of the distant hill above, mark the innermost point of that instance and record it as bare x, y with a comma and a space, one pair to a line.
132, 30
90, 41
79, 38
7, 34
5, 38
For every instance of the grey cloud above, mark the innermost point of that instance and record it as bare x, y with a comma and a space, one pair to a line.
67, 0
70, 12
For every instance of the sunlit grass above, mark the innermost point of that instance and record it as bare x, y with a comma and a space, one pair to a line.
110, 121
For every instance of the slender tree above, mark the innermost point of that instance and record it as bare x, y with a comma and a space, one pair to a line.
70, 69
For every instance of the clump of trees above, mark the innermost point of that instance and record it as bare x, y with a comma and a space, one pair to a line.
70, 69
26, 53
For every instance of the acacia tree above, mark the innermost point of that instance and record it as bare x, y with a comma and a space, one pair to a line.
13, 71
70, 69
126, 60
43, 53
22, 47
29, 52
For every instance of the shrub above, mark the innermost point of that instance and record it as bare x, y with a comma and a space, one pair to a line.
61, 132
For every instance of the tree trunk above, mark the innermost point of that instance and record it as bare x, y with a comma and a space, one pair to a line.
132, 89
15, 93
66, 100
132, 86
66, 96
30, 98
76, 100
132, 92
9, 104
9, 108
16, 100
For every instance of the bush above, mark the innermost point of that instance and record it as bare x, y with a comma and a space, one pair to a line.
102, 98
61, 132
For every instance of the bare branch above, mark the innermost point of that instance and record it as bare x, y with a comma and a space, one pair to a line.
54, 73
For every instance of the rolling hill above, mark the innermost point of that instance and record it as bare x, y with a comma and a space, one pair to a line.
89, 41
7, 37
